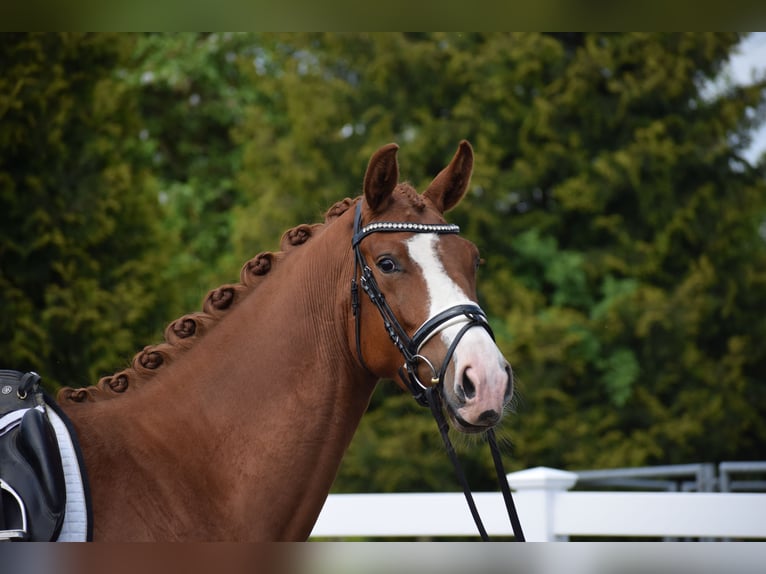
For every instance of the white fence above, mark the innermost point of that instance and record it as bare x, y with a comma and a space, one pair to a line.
548, 512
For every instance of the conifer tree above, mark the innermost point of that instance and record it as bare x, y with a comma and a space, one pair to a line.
80, 244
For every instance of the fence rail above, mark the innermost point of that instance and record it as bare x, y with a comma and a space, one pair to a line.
550, 511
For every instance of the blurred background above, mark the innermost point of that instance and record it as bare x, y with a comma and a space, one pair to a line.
618, 199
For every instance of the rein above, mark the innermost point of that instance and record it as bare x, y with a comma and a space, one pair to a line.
426, 395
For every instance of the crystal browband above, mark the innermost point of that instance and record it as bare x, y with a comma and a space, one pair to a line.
392, 226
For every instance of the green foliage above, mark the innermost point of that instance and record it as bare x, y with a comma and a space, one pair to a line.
622, 230
81, 246
191, 94
639, 195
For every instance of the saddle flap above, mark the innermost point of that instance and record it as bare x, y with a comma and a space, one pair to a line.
38, 443
30, 464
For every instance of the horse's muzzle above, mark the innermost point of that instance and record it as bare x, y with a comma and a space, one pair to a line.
477, 399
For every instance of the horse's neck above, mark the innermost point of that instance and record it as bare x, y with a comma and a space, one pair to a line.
252, 422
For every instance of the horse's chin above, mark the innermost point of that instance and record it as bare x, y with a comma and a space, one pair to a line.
463, 426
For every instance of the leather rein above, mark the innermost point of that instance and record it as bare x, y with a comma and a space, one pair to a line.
426, 395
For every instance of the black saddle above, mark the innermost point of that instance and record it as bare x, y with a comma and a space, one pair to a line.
32, 485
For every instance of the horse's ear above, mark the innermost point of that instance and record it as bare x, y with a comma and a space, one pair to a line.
448, 188
381, 177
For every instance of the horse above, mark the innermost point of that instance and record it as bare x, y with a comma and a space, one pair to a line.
234, 427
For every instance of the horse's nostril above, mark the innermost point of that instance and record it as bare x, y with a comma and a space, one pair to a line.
509, 384
469, 389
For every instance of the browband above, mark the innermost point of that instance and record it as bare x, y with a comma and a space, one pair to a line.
404, 227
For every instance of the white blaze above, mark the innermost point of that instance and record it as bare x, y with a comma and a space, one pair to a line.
444, 293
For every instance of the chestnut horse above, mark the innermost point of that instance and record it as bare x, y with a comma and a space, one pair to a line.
235, 426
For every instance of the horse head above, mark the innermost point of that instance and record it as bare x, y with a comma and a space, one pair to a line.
420, 278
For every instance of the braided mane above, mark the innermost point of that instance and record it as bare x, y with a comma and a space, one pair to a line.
184, 332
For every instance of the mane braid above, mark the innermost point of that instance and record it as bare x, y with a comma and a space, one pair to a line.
184, 332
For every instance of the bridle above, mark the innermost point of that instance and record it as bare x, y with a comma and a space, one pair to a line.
410, 347
469, 315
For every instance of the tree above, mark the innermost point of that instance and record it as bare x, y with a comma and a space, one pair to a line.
81, 246
640, 276
192, 93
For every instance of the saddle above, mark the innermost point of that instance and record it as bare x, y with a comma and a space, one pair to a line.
33, 489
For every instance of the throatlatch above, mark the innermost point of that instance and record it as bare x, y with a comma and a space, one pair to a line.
469, 315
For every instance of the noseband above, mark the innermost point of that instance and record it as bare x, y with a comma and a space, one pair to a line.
468, 314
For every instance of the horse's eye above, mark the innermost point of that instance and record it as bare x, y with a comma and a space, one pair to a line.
387, 265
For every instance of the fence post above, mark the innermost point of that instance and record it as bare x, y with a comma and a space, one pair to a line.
536, 490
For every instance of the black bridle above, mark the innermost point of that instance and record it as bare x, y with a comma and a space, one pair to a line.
469, 315
410, 347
